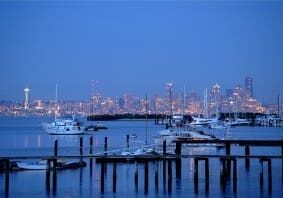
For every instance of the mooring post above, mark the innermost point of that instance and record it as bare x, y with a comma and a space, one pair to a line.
128, 141
178, 149
54, 176
206, 175
261, 174
7, 177
195, 175
102, 177
90, 153
47, 176
247, 160
228, 152
164, 174
156, 176
146, 176
178, 167
136, 177
269, 176
164, 147
114, 176
269, 171
169, 176
105, 145
56, 148
282, 160
235, 175
223, 176
81, 146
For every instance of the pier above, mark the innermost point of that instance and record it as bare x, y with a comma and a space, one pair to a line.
170, 163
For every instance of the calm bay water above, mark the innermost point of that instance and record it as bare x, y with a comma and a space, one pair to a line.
25, 136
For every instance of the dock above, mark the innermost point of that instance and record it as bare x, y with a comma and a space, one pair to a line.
228, 163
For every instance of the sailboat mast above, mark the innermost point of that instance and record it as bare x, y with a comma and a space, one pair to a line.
146, 112
56, 98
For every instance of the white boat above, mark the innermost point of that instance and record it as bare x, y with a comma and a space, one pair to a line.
38, 165
42, 165
179, 133
64, 126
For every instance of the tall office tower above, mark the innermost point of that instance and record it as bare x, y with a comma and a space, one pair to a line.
169, 87
249, 87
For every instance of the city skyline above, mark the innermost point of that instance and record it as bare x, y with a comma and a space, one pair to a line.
136, 47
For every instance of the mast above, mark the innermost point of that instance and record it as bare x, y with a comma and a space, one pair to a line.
146, 112
56, 98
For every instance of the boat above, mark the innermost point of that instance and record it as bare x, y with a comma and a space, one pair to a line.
98, 126
64, 126
171, 135
42, 165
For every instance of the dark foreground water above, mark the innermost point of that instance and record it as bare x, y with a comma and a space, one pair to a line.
25, 136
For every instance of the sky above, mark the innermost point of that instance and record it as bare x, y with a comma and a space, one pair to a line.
136, 47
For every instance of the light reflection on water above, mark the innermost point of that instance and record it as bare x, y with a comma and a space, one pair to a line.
24, 136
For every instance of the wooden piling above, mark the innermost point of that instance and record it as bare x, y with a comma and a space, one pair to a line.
47, 176
81, 146
54, 176
269, 173
102, 177
156, 176
169, 176
56, 148
136, 177
164, 174
105, 145
247, 160
7, 177
178, 167
128, 141
195, 175
206, 167
114, 176
178, 149
90, 153
228, 162
235, 177
146, 177
164, 147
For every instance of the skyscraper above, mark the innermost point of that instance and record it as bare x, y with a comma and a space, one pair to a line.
249, 87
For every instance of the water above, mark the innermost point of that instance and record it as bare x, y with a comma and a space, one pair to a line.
25, 136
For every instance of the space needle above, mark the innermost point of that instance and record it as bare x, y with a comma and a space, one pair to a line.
26, 91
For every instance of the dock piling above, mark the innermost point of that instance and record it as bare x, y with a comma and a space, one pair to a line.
102, 177
136, 177
269, 173
156, 176
146, 177
105, 145
196, 176
114, 176
7, 177
169, 176
56, 148
247, 160
128, 141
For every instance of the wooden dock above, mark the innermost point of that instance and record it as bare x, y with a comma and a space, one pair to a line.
228, 163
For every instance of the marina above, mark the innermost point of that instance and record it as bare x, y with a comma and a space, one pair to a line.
170, 170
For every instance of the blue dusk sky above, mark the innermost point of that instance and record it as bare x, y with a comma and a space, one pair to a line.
136, 47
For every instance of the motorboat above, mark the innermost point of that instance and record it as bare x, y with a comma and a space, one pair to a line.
64, 126
96, 127
42, 165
